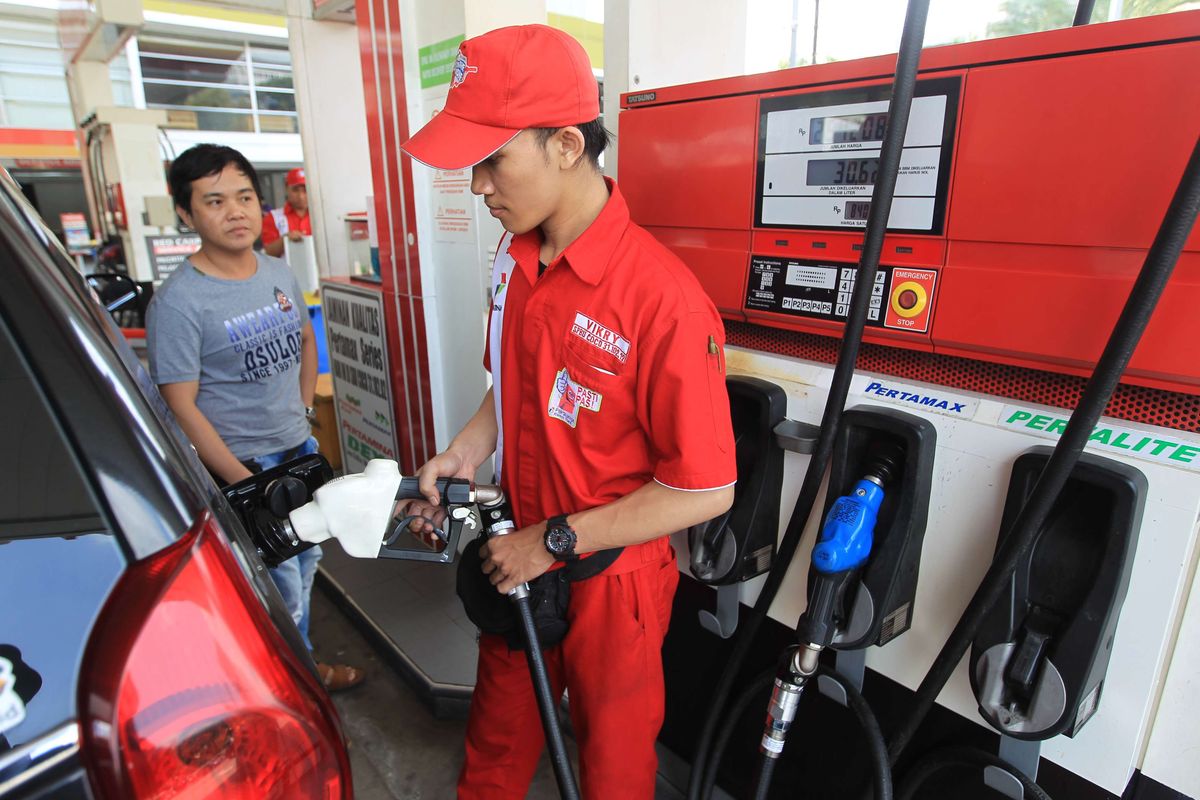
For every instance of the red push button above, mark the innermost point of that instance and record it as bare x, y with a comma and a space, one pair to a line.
910, 301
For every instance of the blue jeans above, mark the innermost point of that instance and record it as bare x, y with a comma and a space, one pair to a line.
294, 577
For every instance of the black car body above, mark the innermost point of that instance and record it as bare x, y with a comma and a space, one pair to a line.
143, 647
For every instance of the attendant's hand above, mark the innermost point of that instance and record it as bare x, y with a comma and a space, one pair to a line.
295, 236
429, 511
515, 558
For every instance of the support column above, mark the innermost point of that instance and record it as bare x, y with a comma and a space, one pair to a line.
435, 244
327, 73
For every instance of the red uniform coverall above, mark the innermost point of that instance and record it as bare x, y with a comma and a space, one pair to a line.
613, 375
271, 229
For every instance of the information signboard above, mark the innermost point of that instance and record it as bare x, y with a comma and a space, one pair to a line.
358, 362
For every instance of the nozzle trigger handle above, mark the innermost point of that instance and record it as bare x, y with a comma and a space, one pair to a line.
452, 491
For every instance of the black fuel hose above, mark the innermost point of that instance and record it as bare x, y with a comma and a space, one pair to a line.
843, 373
938, 760
876, 745
1159, 263
1083, 13
567, 788
757, 689
766, 771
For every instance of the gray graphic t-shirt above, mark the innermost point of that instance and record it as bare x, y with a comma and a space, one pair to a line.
241, 341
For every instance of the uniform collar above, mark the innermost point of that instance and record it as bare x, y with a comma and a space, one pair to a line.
589, 254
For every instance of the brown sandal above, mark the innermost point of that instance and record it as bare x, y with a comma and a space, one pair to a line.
338, 677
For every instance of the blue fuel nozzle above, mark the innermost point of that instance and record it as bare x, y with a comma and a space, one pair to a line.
844, 545
848, 532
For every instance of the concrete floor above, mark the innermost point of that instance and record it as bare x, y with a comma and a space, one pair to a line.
398, 751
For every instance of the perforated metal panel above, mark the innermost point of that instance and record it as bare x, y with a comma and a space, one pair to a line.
1135, 403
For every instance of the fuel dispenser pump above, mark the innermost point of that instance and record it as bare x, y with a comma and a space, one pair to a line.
292, 507
863, 576
705, 758
1039, 659
740, 544
838, 558
878, 605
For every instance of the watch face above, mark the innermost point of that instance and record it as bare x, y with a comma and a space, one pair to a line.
559, 541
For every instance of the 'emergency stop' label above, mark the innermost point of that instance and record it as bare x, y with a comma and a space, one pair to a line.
910, 299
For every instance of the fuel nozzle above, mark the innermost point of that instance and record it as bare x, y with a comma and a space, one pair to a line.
359, 510
844, 546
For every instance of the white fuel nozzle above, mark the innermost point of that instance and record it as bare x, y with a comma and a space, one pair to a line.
355, 509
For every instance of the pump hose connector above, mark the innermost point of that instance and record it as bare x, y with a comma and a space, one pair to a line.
498, 521
781, 711
795, 668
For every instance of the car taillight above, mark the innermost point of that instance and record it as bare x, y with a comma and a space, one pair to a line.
189, 690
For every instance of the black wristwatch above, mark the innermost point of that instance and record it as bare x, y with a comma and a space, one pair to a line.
560, 538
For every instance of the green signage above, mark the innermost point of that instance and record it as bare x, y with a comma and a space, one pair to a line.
437, 62
1164, 447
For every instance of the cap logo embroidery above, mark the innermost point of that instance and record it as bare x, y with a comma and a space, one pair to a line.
567, 397
461, 70
600, 337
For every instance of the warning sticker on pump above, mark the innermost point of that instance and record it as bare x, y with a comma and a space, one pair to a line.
1151, 444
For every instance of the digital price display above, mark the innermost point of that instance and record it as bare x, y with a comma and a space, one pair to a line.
857, 210
848, 128
842, 171
819, 154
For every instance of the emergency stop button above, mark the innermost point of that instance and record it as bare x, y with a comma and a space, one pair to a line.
909, 302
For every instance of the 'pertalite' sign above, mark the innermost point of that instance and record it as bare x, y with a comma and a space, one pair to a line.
1163, 446
359, 363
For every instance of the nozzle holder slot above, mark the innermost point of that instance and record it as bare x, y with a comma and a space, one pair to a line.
1040, 657
740, 544
880, 607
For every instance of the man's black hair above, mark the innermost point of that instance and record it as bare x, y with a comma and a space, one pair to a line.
203, 160
595, 138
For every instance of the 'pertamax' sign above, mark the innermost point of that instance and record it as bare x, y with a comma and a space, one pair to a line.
915, 398
1165, 447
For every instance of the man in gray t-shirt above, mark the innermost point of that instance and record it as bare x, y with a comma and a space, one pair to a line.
241, 341
232, 350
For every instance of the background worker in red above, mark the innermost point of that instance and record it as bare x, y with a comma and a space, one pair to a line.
608, 415
292, 220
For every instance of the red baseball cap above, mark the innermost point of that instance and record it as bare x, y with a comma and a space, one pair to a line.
507, 80
295, 177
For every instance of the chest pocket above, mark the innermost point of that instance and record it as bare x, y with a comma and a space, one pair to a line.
594, 389
594, 349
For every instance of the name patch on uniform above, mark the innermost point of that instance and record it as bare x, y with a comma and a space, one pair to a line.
599, 336
567, 397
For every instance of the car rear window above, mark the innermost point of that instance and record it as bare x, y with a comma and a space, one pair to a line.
41, 490
58, 560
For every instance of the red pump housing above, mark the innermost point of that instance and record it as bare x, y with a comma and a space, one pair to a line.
1036, 172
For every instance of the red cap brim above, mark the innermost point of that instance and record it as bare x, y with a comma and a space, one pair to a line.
450, 142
